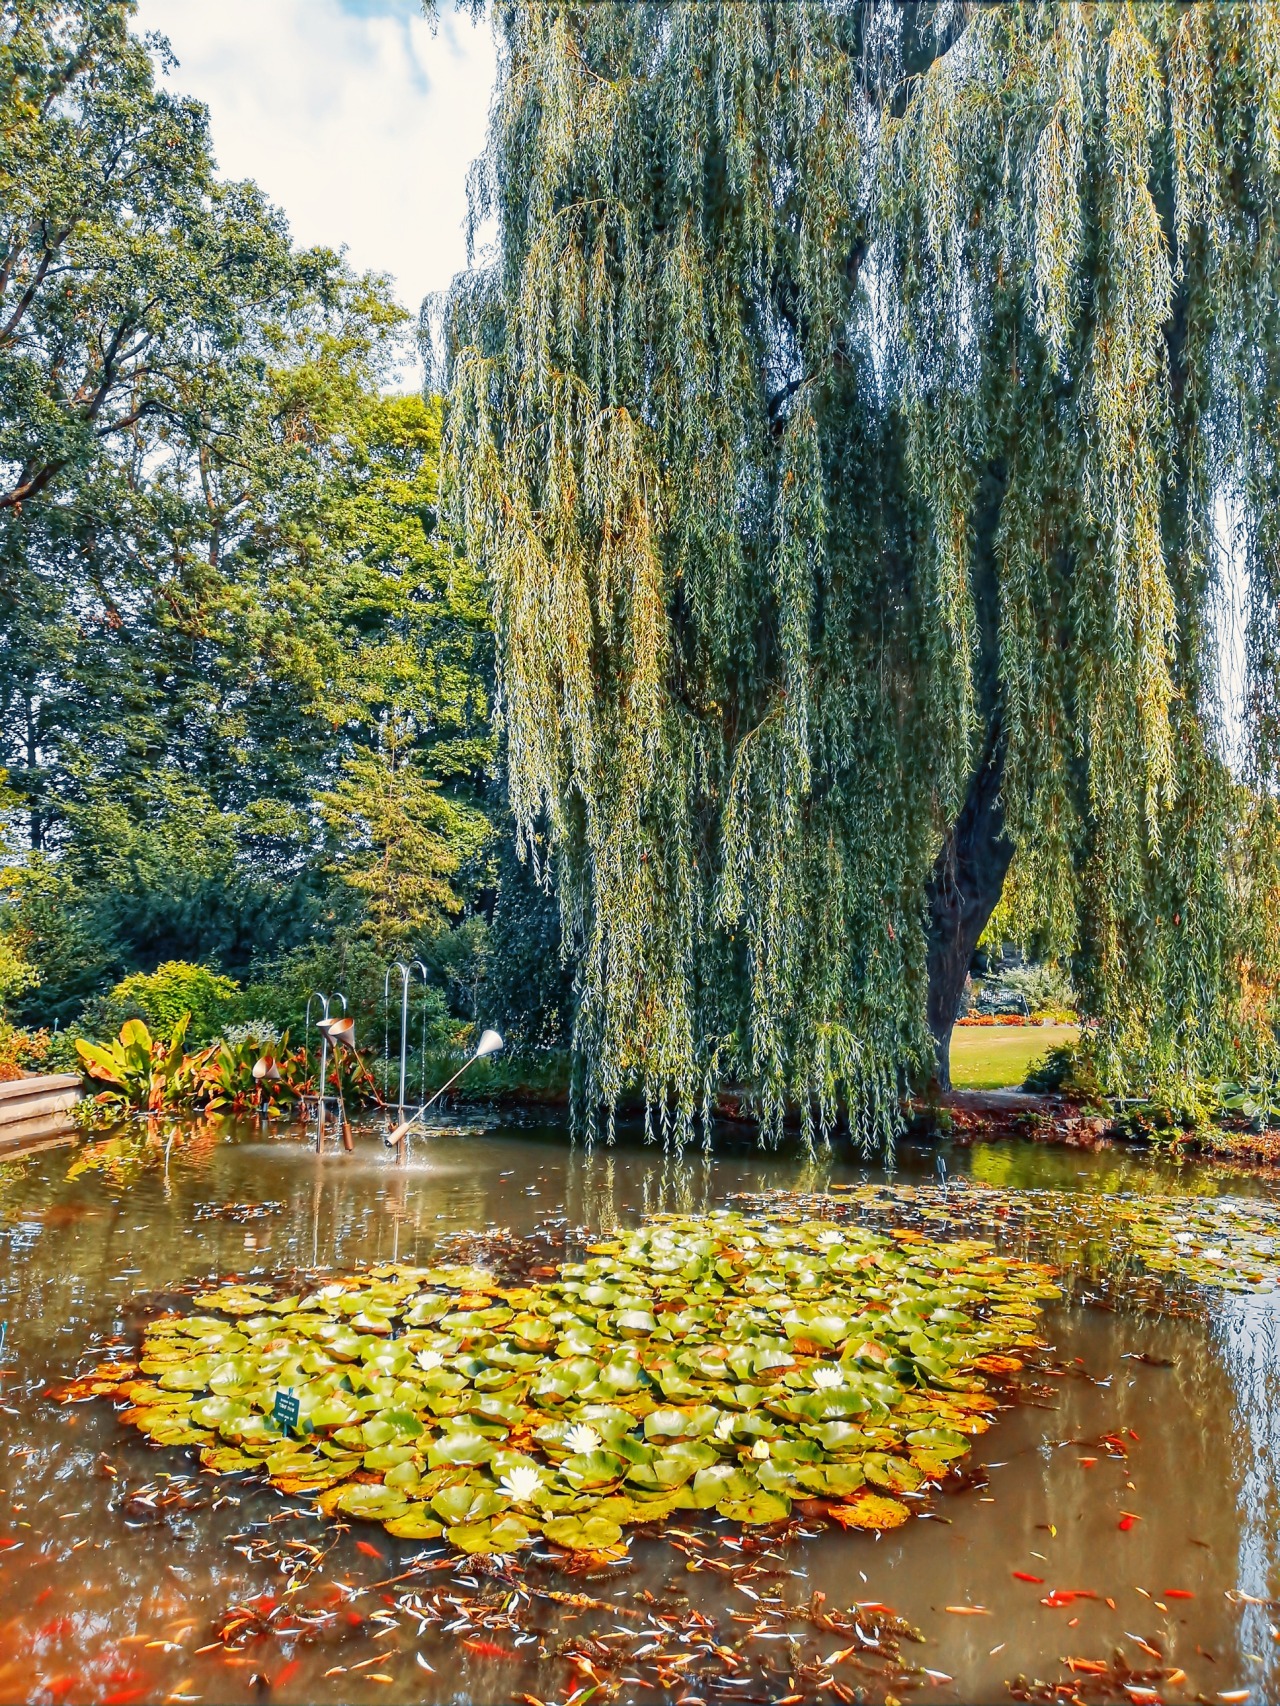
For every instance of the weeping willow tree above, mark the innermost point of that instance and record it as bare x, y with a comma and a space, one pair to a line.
849, 418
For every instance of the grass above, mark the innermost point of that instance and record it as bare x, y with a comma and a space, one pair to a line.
996, 1057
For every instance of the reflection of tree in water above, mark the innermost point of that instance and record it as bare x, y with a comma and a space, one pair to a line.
603, 1189
1248, 1331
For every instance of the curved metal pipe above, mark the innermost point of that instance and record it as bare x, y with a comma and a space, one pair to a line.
406, 981
322, 1025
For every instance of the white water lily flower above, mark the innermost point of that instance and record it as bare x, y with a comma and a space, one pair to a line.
826, 1376
520, 1483
1214, 1255
428, 1360
581, 1438
830, 1237
760, 1451
724, 1427
1183, 1237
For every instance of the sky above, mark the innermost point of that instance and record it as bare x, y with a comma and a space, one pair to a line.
356, 119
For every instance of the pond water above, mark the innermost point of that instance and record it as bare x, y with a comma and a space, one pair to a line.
1135, 1487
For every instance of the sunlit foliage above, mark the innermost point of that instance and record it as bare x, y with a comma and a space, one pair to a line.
844, 417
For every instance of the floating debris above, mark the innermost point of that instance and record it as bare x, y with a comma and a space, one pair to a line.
237, 1211
765, 1372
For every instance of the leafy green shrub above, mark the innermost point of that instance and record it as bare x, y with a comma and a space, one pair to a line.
1031, 989
163, 996
17, 974
1068, 1069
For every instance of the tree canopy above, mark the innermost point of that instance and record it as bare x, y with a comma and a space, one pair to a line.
849, 418
245, 681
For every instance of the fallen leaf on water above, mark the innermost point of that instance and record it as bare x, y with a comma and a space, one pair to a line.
1145, 1645
489, 1649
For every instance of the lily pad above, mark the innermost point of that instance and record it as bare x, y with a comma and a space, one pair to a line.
702, 1363
583, 1533
872, 1511
761, 1507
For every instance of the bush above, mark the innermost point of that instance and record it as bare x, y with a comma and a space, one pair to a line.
1031, 990
1067, 1069
163, 996
21, 1052
17, 974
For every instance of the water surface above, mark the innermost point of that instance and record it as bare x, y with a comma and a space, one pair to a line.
1151, 1487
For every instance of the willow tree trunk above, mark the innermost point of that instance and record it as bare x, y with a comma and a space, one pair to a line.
963, 892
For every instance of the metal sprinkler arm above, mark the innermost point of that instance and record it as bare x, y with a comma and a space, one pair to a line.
440, 1092
490, 1043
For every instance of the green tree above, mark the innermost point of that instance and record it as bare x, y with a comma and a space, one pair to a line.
842, 423
399, 840
224, 599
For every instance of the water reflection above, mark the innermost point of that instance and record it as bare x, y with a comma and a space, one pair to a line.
1246, 1331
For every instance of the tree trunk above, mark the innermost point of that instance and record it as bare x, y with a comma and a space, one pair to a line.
963, 892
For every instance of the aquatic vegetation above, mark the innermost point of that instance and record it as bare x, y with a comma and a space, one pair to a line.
239, 1074
716, 1363
141, 1071
1227, 1243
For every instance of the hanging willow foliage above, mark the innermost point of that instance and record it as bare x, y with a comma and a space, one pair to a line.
843, 420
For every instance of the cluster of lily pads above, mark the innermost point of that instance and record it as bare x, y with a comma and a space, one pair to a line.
713, 1363
1225, 1242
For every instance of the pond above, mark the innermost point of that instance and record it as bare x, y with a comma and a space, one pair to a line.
1114, 1536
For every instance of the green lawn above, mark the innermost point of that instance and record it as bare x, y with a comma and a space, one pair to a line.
996, 1057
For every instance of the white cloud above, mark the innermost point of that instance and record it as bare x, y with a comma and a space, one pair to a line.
354, 117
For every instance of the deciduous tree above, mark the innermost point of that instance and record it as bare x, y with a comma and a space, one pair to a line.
843, 422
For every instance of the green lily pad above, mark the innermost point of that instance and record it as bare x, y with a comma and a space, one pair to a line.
831, 1480
593, 1469
892, 1474
467, 1504
461, 1447
507, 1534
416, 1524
759, 1508
371, 1503
583, 1534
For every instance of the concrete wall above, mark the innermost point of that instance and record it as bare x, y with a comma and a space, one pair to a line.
38, 1110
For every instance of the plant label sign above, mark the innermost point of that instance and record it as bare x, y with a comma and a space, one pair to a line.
285, 1410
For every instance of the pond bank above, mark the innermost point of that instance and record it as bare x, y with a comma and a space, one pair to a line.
982, 1116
